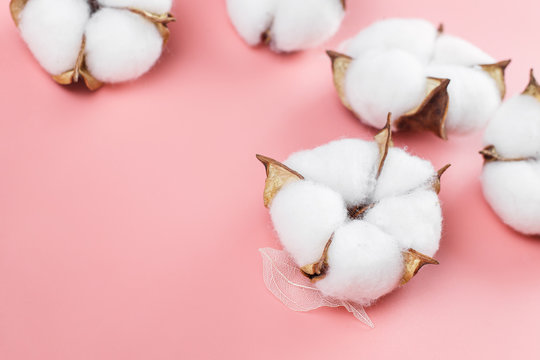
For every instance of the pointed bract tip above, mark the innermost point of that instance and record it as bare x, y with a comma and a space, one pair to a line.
442, 170
440, 29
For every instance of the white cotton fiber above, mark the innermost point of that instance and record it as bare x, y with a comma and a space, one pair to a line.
364, 263
473, 97
121, 45
415, 36
154, 6
292, 24
303, 24
53, 30
515, 128
403, 173
305, 215
347, 166
414, 220
512, 189
384, 81
251, 18
456, 51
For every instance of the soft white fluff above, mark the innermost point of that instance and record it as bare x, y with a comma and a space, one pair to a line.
251, 18
121, 45
515, 128
364, 264
403, 173
154, 6
348, 166
53, 30
303, 24
512, 189
416, 36
474, 97
456, 51
293, 24
305, 215
414, 220
384, 81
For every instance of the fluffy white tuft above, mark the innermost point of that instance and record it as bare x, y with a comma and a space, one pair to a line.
154, 6
364, 263
512, 189
53, 30
251, 18
347, 166
121, 45
456, 51
305, 215
384, 81
415, 220
515, 128
293, 24
303, 24
416, 36
403, 173
474, 97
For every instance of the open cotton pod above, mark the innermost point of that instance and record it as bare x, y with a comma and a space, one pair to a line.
511, 174
428, 80
357, 218
98, 41
286, 25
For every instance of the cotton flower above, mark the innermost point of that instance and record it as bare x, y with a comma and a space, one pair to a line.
428, 80
100, 41
286, 25
511, 174
359, 218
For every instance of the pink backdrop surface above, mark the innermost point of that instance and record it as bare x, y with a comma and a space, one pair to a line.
130, 218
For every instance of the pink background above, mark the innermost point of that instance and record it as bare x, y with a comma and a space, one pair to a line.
130, 218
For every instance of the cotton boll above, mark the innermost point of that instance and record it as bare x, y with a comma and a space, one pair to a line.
414, 220
512, 190
364, 263
474, 97
53, 30
251, 18
384, 81
456, 51
121, 45
305, 215
515, 128
347, 166
154, 6
403, 173
303, 24
415, 36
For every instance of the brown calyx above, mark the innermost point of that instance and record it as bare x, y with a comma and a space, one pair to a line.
414, 261
159, 20
80, 71
317, 271
532, 89
340, 65
277, 176
490, 154
16, 7
343, 4
496, 72
437, 183
430, 115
